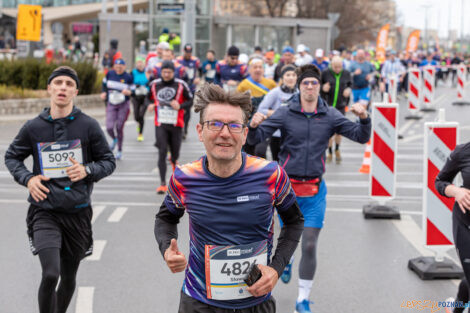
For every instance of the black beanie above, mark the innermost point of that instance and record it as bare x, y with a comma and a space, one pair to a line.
63, 72
233, 51
168, 65
287, 68
307, 70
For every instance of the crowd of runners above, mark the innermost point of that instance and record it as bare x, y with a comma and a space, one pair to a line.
294, 102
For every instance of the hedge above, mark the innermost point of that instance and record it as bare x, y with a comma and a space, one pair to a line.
33, 74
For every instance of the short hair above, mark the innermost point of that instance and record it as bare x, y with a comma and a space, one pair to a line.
211, 93
211, 51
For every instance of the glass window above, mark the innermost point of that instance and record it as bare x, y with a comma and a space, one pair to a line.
243, 37
202, 28
171, 23
201, 49
203, 7
275, 37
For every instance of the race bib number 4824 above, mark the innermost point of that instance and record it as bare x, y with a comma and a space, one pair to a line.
54, 157
227, 266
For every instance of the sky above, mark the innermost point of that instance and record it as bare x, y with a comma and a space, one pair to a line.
411, 13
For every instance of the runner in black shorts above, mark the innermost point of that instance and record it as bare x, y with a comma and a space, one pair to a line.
336, 90
70, 153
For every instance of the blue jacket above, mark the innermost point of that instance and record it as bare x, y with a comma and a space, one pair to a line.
304, 139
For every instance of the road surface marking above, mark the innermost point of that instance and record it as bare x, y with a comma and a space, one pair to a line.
117, 214
97, 210
84, 302
98, 247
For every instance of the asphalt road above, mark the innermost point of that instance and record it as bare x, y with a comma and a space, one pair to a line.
362, 264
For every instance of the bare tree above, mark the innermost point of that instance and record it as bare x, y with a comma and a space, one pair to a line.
359, 20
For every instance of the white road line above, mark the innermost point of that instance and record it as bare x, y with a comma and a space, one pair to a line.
84, 302
118, 213
98, 247
412, 132
414, 234
97, 210
405, 126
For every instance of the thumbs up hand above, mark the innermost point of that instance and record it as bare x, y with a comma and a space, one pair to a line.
175, 259
77, 171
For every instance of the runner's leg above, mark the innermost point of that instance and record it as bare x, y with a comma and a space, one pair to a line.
123, 113
162, 145
50, 264
68, 274
111, 117
175, 137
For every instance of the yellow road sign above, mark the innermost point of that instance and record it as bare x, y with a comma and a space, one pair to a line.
28, 25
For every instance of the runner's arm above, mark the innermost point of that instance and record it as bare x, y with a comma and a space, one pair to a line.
288, 238
268, 102
268, 127
188, 96
17, 152
447, 174
103, 159
165, 227
359, 132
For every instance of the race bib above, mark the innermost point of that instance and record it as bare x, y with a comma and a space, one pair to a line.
210, 74
116, 97
190, 73
167, 115
54, 157
141, 91
227, 266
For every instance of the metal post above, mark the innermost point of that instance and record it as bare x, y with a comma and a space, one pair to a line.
461, 25
229, 35
115, 8
190, 22
256, 35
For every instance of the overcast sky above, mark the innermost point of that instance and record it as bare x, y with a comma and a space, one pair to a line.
411, 13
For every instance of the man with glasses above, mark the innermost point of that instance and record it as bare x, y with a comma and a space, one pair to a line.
171, 96
230, 199
230, 72
307, 123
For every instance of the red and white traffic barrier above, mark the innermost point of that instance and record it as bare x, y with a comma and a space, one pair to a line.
384, 148
440, 138
382, 178
392, 89
429, 79
414, 92
461, 72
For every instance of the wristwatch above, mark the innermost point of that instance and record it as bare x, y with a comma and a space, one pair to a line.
87, 170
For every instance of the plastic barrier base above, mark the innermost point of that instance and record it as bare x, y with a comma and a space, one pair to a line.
413, 117
428, 268
428, 110
461, 103
380, 211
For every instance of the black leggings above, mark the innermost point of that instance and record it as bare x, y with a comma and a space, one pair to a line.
308, 260
140, 107
462, 239
167, 135
54, 266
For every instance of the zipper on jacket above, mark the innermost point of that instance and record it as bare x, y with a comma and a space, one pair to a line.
308, 144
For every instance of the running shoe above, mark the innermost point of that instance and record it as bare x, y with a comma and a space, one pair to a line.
303, 307
329, 158
140, 137
338, 157
162, 190
119, 155
113, 144
447, 309
287, 273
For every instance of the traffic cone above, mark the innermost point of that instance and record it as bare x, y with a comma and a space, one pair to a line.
365, 168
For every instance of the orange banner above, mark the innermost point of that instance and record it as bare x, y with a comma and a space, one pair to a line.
382, 38
413, 41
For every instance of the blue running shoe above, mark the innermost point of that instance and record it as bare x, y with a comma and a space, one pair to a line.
119, 155
287, 273
303, 307
113, 144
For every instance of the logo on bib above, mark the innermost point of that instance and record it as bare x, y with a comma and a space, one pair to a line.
247, 198
234, 252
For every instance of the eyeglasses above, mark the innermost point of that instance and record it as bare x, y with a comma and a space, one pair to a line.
310, 82
218, 126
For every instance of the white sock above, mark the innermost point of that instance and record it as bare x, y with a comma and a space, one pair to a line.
304, 289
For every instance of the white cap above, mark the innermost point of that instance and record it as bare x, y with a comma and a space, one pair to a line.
301, 48
319, 53
243, 58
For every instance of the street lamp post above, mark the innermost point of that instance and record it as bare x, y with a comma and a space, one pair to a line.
426, 39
